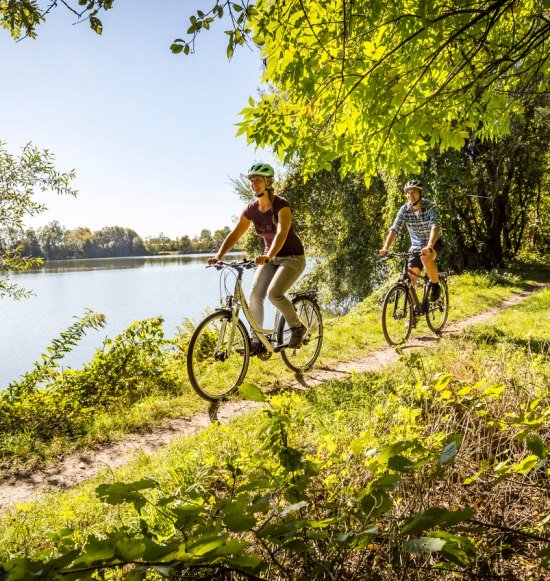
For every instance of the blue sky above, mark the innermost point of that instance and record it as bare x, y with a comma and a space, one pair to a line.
150, 134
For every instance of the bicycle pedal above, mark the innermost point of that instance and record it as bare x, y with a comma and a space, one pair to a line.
280, 347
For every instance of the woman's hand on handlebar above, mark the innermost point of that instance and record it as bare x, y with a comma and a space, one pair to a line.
213, 260
261, 259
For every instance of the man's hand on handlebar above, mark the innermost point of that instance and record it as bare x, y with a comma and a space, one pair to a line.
382, 252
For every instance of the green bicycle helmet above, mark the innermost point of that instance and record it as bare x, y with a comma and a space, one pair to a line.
261, 169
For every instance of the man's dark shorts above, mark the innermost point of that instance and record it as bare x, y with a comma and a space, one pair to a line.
416, 262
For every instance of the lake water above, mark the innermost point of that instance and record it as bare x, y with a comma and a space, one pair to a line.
123, 289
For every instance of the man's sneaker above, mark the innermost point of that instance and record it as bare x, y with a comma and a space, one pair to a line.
435, 291
296, 336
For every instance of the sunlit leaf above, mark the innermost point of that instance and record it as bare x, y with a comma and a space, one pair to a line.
251, 392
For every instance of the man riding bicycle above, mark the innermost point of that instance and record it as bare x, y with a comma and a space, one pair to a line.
421, 218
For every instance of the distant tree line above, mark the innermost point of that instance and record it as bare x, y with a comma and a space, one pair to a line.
54, 242
206, 241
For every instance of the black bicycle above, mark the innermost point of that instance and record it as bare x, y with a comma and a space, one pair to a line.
219, 349
403, 307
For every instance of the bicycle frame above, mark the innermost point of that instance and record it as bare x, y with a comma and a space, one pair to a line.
234, 304
405, 278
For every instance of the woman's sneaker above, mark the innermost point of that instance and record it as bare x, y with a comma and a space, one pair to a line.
296, 336
255, 348
435, 291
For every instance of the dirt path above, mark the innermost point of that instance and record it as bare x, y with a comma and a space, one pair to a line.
18, 487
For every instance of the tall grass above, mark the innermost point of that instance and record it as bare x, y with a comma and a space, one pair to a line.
433, 468
141, 379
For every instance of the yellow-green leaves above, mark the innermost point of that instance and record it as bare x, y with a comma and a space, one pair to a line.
373, 77
251, 392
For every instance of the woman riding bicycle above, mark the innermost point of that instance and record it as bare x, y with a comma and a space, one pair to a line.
421, 217
283, 259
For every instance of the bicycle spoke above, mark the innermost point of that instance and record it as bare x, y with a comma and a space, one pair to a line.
303, 357
217, 362
397, 315
437, 313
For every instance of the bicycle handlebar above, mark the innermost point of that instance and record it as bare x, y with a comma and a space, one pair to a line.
246, 263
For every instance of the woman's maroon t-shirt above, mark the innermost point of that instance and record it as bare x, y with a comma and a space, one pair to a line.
266, 228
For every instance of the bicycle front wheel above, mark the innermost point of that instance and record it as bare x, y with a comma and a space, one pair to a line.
397, 315
303, 358
218, 356
438, 311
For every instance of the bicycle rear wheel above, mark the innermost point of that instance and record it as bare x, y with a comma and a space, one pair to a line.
397, 315
216, 362
438, 311
303, 358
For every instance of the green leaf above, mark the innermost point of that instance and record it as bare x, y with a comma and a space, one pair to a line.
385, 482
376, 503
247, 561
454, 517
536, 445
424, 545
233, 547
293, 508
278, 532
97, 552
130, 549
420, 523
207, 544
95, 25
297, 546
176, 48
251, 392
357, 446
436, 516
166, 571
255, 484
457, 549
361, 540
526, 465
238, 522
119, 492
544, 555
21, 569
400, 463
63, 561
449, 452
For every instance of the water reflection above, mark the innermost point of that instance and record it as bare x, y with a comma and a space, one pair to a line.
72, 265
123, 289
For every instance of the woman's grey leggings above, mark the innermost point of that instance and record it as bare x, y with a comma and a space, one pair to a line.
273, 279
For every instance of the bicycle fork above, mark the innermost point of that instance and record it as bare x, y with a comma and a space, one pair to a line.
221, 353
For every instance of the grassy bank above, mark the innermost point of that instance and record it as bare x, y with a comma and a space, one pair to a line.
433, 468
142, 379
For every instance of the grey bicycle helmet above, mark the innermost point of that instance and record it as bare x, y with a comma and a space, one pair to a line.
417, 184
261, 169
